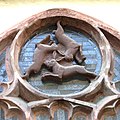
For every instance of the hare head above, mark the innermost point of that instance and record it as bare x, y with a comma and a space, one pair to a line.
50, 63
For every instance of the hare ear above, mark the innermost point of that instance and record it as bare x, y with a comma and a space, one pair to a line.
59, 59
48, 37
54, 54
80, 58
46, 40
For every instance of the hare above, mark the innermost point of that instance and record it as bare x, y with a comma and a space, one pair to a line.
73, 49
59, 72
41, 53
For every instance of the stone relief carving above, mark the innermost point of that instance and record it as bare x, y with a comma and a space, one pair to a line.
41, 53
72, 49
59, 71
64, 53
99, 100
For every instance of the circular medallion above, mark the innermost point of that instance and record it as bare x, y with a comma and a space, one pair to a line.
67, 86
60, 57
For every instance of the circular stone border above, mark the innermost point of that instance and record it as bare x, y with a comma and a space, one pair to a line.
31, 27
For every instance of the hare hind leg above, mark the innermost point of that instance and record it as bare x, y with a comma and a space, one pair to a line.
81, 70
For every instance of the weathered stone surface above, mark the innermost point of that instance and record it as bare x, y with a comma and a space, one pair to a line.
80, 100
92, 62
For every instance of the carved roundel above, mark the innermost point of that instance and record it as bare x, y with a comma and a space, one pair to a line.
69, 86
61, 50
60, 62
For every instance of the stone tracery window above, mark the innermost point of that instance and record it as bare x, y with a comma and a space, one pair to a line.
73, 99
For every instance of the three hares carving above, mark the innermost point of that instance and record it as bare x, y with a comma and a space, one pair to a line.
45, 53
